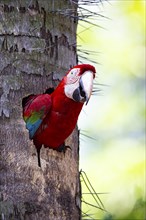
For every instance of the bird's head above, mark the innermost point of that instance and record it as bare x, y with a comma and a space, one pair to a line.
79, 82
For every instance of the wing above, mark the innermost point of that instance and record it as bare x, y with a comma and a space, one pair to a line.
35, 109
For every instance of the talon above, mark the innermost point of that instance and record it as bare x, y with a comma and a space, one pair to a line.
68, 147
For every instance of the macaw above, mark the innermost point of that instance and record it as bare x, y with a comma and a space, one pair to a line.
51, 117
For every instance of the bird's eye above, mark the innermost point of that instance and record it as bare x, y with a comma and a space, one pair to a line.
74, 72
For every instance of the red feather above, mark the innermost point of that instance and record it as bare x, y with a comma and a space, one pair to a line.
50, 118
59, 122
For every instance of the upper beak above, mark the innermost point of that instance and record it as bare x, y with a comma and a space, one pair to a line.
85, 86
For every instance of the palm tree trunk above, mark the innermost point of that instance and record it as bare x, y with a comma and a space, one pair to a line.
37, 47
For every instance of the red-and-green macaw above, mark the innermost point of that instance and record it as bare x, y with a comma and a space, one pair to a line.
50, 118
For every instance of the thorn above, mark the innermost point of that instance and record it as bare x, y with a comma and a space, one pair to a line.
4, 44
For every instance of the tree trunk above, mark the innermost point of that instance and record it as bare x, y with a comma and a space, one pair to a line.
37, 47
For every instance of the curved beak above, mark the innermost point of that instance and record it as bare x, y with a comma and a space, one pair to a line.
83, 92
86, 85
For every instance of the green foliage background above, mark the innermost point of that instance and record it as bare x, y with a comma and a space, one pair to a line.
115, 117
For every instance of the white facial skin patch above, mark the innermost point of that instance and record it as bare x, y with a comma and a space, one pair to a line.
79, 87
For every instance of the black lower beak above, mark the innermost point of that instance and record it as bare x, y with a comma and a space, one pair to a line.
79, 93
76, 95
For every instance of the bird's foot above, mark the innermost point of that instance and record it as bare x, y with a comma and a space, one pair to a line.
63, 148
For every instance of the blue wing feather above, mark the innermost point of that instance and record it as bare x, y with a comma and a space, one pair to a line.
35, 109
33, 127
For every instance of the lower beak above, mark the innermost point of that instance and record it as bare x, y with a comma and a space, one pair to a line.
85, 86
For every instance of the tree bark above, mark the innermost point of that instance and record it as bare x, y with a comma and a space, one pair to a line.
37, 47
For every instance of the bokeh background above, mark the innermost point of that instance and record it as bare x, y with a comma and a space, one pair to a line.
112, 140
